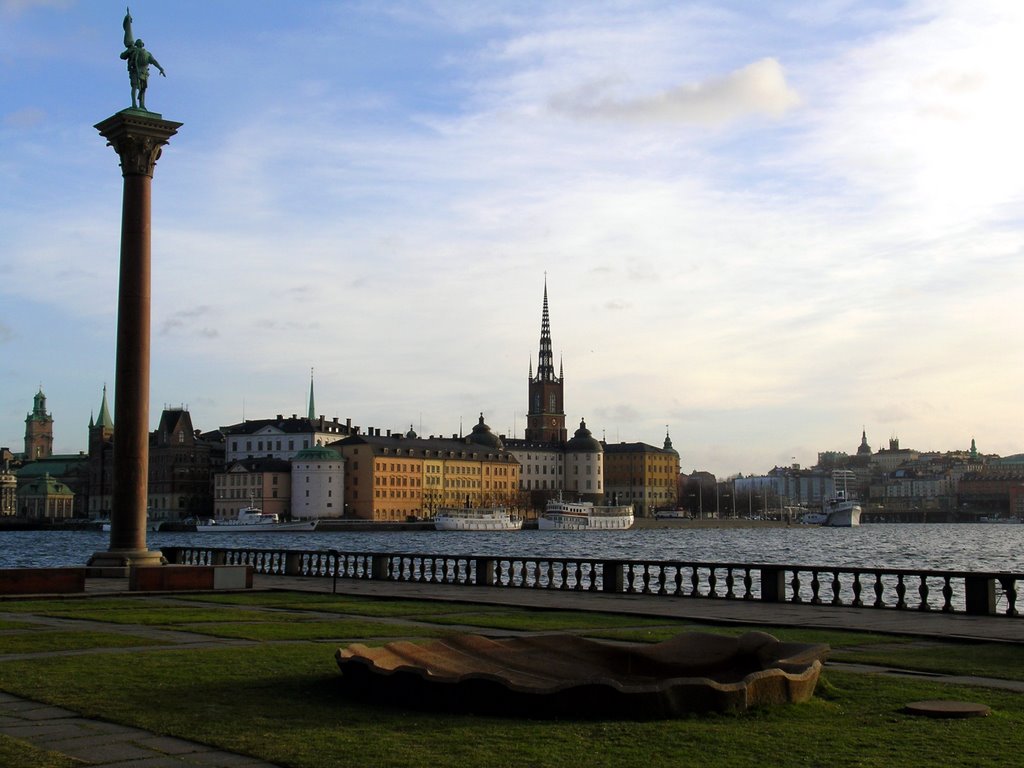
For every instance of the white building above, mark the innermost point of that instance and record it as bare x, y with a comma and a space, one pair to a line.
318, 482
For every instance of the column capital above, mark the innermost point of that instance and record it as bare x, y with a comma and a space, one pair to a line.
137, 136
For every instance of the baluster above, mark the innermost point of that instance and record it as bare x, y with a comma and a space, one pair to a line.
901, 593
679, 580
815, 586
837, 587
551, 574
1009, 585
592, 575
730, 582
879, 589
694, 581
748, 584
579, 575
647, 579
857, 603
712, 582
563, 575
661, 580
922, 590
947, 594
629, 578
795, 586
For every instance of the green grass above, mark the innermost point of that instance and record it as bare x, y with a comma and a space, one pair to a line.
280, 700
37, 640
282, 704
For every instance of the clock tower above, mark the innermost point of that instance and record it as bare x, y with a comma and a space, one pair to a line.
545, 419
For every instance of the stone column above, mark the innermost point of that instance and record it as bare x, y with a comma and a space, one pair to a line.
137, 136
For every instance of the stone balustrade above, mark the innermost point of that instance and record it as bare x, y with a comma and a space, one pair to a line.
976, 593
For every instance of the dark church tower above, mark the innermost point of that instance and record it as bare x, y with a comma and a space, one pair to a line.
38, 430
545, 418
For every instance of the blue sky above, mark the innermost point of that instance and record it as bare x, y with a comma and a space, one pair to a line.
765, 226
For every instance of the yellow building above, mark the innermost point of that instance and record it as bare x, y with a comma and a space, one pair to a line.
395, 477
641, 475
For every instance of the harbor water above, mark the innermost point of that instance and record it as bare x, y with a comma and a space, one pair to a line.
963, 547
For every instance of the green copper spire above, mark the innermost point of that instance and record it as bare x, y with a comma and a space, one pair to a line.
312, 408
104, 420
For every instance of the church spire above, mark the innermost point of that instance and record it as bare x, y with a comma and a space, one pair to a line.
545, 360
104, 420
312, 407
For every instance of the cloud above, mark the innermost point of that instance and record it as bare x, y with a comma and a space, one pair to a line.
756, 89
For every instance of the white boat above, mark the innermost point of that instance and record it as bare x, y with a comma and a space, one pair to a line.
841, 512
476, 519
253, 520
584, 516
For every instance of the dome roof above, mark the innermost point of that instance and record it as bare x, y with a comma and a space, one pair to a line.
317, 452
583, 441
482, 435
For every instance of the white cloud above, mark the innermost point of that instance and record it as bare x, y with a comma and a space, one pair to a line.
759, 88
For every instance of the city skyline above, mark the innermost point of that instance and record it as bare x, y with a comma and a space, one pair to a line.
764, 229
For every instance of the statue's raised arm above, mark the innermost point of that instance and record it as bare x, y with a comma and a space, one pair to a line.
138, 59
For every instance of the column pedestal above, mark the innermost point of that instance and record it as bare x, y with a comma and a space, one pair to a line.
137, 136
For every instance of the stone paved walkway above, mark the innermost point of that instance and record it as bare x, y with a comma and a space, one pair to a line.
98, 743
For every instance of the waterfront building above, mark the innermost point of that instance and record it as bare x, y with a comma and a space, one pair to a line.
584, 467
182, 461
642, 475
71, 471
318, 484
264, 483
45, 498
38, 430
8, 490
281, 437
394, 477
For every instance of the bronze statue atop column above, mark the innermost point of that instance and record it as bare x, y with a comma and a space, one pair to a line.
138, 59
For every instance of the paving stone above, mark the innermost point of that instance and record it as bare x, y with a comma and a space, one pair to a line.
108, 752
170, 745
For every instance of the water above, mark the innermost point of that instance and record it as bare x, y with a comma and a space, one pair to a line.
927, 547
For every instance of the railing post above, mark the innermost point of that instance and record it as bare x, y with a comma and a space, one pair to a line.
379, 567
980, 594
773, 584
293, 564
218, 557
484, 572
611, 573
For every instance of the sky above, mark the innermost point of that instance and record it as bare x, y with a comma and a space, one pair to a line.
763, 227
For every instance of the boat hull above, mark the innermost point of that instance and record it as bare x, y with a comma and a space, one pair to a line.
843, 515
561, 516
469, 519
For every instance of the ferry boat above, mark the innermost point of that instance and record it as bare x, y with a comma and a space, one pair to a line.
476, 519
584, 516
253, 520
841, 512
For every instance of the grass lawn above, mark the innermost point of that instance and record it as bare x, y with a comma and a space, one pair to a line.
14, 752
279, 700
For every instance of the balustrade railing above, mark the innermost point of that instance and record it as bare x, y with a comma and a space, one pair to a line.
993, 594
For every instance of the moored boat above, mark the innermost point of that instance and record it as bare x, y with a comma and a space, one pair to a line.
841, 512
562, 515
476, 519
252, 520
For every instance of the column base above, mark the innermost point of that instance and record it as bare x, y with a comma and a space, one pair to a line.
116, 562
